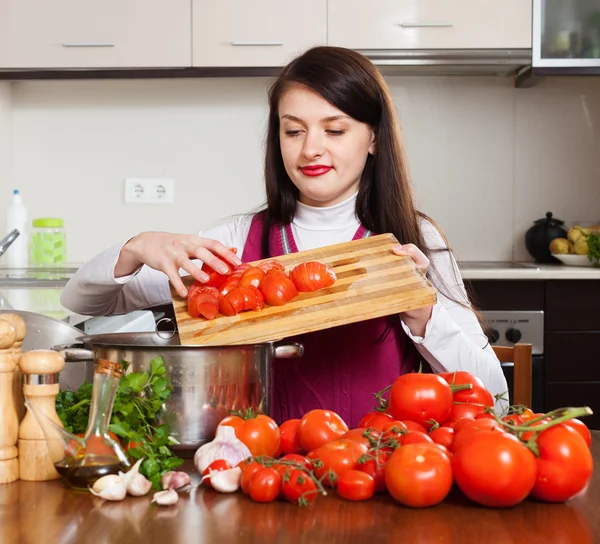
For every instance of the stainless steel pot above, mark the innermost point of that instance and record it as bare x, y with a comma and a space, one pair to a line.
43, 332
208, 381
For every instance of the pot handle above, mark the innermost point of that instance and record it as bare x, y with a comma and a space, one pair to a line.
75, 355
288, 350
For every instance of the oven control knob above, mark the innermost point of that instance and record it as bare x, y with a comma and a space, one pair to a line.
493, 336
513, 335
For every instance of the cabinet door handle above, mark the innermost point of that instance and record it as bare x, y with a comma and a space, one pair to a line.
256, 43
426, 25
88, 44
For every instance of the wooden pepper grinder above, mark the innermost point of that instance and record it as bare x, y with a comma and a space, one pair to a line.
20, 328
9, 424
40, 370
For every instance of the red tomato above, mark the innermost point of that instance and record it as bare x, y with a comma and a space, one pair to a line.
260, 434
513, 419
271, 265
253, 299
231, 282
129, 447
477, 395
375, 419
203, 305
94, 445
581, 428
564, 464
376, 467
460, 411
527, 414
278, 289
312, 276
265, 485
247, 476
359, 436
354, 485
299, 488
418, 475
292, 461
443, 449
412, 426
422, 398
464, 432
203, 301
415, 437
443, 436
337, 457
318, 427
253, 276
494, 469
484, 415
289, 436
215, 466
233, 302
397, 429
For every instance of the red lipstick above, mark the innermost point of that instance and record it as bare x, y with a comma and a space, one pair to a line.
315, 170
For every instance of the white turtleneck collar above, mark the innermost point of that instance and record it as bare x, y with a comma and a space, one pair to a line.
339, 216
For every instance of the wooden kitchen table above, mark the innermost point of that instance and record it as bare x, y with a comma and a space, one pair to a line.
48, 513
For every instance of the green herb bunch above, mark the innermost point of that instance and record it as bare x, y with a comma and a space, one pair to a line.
593, 241
138, 402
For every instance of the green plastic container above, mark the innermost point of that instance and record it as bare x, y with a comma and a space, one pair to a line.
48, 245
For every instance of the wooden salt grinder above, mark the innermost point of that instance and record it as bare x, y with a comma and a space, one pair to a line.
40, 370
20, 328
9, 424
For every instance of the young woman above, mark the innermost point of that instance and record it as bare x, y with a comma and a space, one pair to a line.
335, 171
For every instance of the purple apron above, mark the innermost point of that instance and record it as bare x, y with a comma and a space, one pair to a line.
343, 366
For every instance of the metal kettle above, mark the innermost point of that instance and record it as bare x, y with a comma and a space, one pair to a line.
539, 236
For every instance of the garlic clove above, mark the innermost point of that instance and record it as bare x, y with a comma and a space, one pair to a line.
225, 481
175, 480
166, 498
136, 484
225, 446
110, 487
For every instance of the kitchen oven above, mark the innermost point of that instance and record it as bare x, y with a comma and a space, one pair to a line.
506, 328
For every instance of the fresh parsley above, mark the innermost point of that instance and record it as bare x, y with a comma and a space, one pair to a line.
138, 402
593, 241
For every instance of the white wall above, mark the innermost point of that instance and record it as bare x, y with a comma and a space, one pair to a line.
486, 159
6, 149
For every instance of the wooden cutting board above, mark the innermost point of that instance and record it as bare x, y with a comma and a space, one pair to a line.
371, 282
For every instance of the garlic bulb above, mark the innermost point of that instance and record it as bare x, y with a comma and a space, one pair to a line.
110, 487
166, 498
135, 483
225, 481
225, 446
175, 480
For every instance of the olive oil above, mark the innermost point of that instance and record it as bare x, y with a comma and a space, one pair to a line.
82, 472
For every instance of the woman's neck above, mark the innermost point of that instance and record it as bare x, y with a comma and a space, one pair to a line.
339, 216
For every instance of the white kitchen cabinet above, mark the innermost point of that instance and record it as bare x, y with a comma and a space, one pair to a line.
430, 24
95, 33
256, 32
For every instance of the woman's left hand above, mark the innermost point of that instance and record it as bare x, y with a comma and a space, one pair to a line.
416, 320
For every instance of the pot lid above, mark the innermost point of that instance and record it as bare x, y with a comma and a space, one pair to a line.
549, 220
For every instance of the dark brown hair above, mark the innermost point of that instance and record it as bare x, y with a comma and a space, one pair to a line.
385, 202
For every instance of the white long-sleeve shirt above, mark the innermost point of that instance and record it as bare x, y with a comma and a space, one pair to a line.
453, 339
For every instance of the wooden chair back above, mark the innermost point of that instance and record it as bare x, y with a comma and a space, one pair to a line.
520, 356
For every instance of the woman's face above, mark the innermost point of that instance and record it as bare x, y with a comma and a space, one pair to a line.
324, 150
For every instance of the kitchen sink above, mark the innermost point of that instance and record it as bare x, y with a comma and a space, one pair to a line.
36, 277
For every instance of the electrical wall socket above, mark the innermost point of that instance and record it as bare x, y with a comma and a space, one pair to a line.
149, 191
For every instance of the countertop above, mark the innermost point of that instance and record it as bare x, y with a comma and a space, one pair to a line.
526, 271
48, 513
56, 278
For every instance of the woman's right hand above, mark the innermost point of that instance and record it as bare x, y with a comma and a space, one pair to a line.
168, 253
